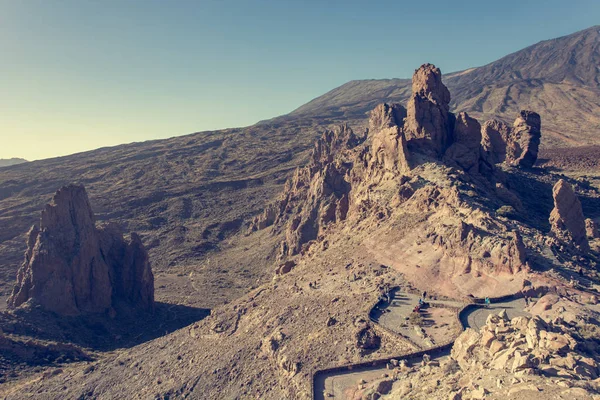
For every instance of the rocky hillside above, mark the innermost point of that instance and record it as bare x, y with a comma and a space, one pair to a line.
421, 201
558, 78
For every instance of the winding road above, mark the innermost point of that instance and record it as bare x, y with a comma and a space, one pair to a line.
334, 384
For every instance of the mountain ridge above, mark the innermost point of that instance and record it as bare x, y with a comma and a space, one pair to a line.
520, 80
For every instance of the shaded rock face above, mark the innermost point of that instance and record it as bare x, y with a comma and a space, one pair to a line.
316, 196
494, 138
566, 219
71, 267
429, 122
517, 145
526, 138
388, 148
466, 149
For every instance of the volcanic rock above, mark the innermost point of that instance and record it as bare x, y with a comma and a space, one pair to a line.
591, 229
494, 138
428, 121
316, 196
72, 267
388, 149
566, 219
466, 149
525, 139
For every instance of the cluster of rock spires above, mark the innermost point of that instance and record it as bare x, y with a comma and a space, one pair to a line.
72, 267
346, 172
567, 220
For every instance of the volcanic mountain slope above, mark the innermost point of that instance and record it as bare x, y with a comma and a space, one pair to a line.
558, 78
398, 206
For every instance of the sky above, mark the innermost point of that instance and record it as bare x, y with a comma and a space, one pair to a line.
77, 75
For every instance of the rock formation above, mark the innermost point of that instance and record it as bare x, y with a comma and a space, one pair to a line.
349, 179
316, 196
72, 267
526, 138
517, 145
566, 219
388, 149
495, 136
524, 346
466, 148
429, 122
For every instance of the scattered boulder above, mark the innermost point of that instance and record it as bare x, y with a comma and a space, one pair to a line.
72, 267
591, 229
566, 219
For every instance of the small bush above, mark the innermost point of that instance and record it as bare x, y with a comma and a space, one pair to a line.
507, 212
415, 319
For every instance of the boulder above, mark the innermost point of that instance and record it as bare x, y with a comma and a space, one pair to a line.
591, 229
285, 267
566, 219
72, 267
464, 346
366, 338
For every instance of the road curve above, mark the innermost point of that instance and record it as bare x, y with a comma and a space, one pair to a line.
331, 384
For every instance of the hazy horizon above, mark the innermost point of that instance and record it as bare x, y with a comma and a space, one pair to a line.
85, 75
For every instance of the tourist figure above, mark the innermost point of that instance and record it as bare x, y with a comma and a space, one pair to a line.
424, 295
487, 301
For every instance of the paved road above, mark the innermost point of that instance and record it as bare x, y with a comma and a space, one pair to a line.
336, 384
477, 317
393, 315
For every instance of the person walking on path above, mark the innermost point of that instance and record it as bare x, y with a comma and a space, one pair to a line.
487, 301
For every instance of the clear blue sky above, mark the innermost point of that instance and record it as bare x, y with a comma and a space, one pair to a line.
80, 74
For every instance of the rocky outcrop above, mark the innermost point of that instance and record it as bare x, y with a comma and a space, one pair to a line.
517, 145
316, 196
72, 267
465, 151
388, 147
591, 229
429, 123
566, 219
353, 180
494, 138
523, 346
526, 137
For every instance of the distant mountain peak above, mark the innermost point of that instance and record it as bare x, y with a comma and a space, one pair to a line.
6, 162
